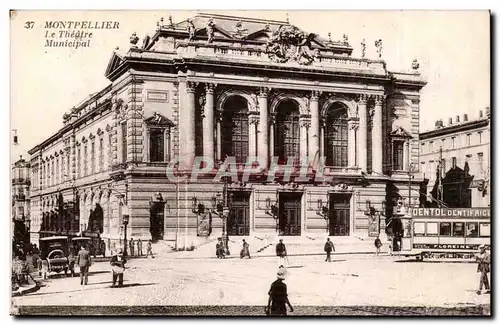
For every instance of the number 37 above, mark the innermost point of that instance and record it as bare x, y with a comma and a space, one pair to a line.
29, 24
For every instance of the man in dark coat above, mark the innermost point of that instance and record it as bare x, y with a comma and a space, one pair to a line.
219, 248
84, 261
278, 297
118, 267
329, 247
131, 252
139, 247
378, 244
281, 252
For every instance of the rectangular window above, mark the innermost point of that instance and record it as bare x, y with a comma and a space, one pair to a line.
110, 150
85, 160
52, 173
480, 163
156, 145
57, 170
124, 142
398, 155
445, 229
458, 229
472, 229
443, 143
432, 229
422, 148
467, 139
79, 163
101, 154
92, 158
430, 146
480, 136
419, 228
484, 229
453, 162
453, 142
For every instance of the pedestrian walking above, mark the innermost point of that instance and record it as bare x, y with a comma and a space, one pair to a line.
281, 252
149, 249
278, 296
131, 251
219, 248
71, 261
329, 247
483, 266
84, 261
245, 251
118, 267
139, 247
378, 244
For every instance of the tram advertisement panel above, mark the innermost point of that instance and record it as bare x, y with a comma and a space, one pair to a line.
451, 212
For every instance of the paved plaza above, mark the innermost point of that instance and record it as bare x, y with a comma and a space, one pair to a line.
349, 280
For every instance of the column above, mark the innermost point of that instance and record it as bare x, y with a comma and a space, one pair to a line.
314, 132
208, 122
272, 121
263, 143
377, 136
147, 138
322, 138
304, 125
219, 136
363, 128
189, 124
351, 142
253, 122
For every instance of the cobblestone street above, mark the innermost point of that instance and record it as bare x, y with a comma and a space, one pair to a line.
352, 284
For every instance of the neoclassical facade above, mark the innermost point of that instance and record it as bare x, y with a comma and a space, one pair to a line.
220, 86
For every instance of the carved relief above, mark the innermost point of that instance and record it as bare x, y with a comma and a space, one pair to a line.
288, 43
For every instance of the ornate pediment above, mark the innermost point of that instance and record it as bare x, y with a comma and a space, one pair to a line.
288, 43
158, 120
400, 132
115, 61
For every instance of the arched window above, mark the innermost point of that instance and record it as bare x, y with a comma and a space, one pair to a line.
234, 125
287, 137
336, 136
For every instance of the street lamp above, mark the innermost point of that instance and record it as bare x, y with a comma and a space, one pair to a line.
126, 217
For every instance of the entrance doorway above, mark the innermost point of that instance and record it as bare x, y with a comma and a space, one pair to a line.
238, 222
289, 214
340, 212
157, 219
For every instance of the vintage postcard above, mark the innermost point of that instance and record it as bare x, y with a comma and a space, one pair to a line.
250, 163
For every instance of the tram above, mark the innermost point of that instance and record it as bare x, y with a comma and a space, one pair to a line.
446, 232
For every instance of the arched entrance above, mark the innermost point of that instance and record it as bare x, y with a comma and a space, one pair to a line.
287, 136
157, 217
234, 135
336, 135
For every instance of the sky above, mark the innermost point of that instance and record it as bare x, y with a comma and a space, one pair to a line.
452, 47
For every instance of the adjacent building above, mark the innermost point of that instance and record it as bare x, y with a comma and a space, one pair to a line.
219, 86
455, 161
21, 198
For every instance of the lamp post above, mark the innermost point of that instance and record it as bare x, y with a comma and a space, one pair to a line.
126, 216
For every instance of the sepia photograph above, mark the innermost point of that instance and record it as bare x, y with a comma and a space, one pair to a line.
250, 163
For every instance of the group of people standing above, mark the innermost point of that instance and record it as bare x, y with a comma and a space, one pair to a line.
133, 244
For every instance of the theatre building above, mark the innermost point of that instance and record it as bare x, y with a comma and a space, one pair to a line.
220, 86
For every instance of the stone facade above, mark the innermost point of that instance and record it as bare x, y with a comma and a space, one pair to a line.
177, 89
